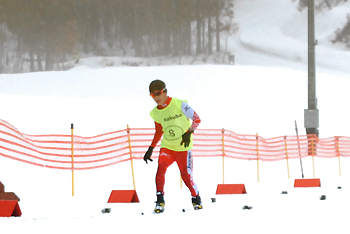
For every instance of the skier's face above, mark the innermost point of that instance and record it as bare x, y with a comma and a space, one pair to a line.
159, 96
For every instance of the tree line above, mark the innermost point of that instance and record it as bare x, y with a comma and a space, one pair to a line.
47, 32
342, 35
320, 4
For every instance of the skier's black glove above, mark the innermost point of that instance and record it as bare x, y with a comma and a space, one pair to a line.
148, 155
186, 138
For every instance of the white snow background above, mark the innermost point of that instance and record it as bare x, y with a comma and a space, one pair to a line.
264, 92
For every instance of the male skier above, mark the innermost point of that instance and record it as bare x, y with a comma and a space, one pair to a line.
171, 117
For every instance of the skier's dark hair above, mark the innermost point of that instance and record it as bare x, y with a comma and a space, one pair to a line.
156, 85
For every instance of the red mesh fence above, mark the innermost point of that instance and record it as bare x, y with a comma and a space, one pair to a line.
55, 151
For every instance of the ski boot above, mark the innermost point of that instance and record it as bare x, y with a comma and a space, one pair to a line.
197, 202
160, 203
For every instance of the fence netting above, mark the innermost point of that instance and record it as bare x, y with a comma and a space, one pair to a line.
73, 152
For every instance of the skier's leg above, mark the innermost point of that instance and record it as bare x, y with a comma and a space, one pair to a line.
185, 163
166, 158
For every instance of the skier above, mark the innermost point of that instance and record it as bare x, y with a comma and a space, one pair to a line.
171, 117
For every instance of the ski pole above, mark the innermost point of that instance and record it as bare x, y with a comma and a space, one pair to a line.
301, 163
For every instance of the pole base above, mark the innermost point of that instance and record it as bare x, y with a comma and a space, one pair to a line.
123, 196
306, 183
9, 208
231, 189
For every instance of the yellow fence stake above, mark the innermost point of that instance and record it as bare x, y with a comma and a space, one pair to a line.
285, 144
72, 138
313, 156
180, 181
223, 156
257, 154
338, 153
130, 151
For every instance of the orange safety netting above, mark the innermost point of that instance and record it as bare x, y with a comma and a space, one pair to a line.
55, 151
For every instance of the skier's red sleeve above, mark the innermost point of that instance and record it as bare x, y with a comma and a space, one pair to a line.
195, 121
158, 134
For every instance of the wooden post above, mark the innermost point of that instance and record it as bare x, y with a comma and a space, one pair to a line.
285, 144
257, 154
130, 151
72, 138
180, 181
223, 155
338, 153
313, 155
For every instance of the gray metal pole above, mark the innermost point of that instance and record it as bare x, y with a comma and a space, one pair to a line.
311, 56
311, 114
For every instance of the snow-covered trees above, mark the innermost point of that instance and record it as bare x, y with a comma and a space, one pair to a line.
47, 32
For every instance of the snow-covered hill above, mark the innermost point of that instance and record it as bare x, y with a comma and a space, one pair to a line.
263, 93
277, 32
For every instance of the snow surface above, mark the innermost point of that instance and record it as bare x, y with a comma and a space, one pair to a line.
263, 93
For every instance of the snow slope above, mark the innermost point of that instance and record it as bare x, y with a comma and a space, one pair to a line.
263, 93
277, 29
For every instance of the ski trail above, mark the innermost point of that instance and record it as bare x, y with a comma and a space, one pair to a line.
263, 38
